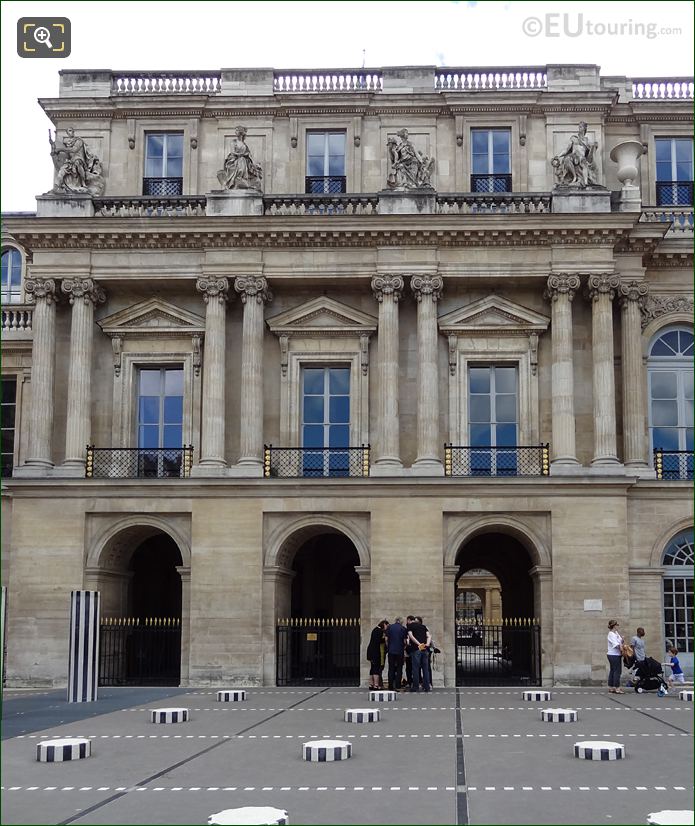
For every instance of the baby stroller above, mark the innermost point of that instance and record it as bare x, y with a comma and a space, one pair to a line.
649, 676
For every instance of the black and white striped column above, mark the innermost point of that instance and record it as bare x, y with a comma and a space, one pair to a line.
233, 696
686, 696
536, 696
558, 715
58, 751
3, 616
250, 816
168, 715
326, 751
83, 671
383, 696
362, 715
599, 750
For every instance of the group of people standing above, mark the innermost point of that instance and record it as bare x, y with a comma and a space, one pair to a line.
399, 645
617, 653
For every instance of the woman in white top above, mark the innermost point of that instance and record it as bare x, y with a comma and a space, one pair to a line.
615, 658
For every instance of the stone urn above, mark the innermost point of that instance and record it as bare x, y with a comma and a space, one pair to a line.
626, 155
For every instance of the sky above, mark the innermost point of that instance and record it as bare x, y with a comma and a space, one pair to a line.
633, 39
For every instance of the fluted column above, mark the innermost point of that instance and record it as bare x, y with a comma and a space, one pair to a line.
42, 293
560, 291
388, 291
632, 296
254, 294
84, 295
602, 289
427, 290
215, 295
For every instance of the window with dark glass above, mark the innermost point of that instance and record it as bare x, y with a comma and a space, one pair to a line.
9, 406
674, 171
160, 421
493, 419
163, 164
11, 276
325, 162
678, 596
491, 160
326, 420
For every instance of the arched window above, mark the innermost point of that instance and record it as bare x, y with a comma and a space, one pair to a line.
11, 292
670, 368
678, 594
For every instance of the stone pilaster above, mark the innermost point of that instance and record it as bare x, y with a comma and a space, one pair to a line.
388, 290
602, 288
212, 453
560, 291
632, 296
42, 293
254, 294
84, 295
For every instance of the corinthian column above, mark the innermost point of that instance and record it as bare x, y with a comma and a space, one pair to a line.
560, 290
84, 295
387, 291
602, 289
427, 290
254, 294
42, 293
632, 296
215, 293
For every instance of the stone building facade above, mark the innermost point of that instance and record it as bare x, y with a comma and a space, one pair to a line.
466, 295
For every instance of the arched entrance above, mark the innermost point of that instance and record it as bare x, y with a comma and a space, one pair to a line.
140, 573
499, 643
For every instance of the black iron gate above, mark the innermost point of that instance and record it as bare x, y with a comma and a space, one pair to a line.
506, 654
318, 651
134, 651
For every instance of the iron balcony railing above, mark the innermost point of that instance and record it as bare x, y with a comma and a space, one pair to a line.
162, 187
138, 463
491, 183
673, 464
515, 460
315, 462
327, 184
674, 193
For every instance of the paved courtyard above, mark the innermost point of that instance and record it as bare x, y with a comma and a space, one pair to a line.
453, 756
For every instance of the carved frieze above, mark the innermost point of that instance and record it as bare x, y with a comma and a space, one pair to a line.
656, 306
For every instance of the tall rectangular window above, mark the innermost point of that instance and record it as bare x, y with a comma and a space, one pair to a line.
11, 276
160, 421
163, 164
493, 419
491, 160
325, 162
326, 420
9, 406
674, 171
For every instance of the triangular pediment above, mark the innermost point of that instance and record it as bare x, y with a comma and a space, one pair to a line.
494, 313
153, 317
322, 315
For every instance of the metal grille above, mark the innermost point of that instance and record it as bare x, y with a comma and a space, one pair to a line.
162, 186
315, 462
491, 183
678, 612
517, 460
674, 193
138, 463
327, 184
134, 651
673, 464
506, 654
318, 651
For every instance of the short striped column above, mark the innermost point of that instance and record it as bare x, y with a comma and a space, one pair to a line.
383, 696
249, 816
686, 696
362, 715
168, 715
3, 616
599, 750
536, 696
671, 817
559, 715
233, 696
58, 751
326, 751
83, 668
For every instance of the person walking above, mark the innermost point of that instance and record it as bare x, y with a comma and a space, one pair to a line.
396, 637
376, 654
637, 643
615, 657
677, 675
420, 640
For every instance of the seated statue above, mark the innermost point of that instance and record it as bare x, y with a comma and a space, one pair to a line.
76, 169
240, 172
575, 167
408, 168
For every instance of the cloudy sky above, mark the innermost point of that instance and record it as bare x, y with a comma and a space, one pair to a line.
656, 40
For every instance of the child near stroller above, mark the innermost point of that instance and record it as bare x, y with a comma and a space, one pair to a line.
648, 676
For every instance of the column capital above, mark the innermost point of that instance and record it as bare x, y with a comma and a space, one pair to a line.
387, 285
253, 287
603, 283
83, 288
43, 289
633, 291
427, 285
213, 288
561, 283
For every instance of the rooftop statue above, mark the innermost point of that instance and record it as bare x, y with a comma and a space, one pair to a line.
408, 168
575, 167
240, 172
77, 170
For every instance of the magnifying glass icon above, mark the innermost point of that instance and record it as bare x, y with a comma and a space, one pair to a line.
42, 35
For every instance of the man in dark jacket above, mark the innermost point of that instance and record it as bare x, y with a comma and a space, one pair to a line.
374, 654
419, 639
396, 636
